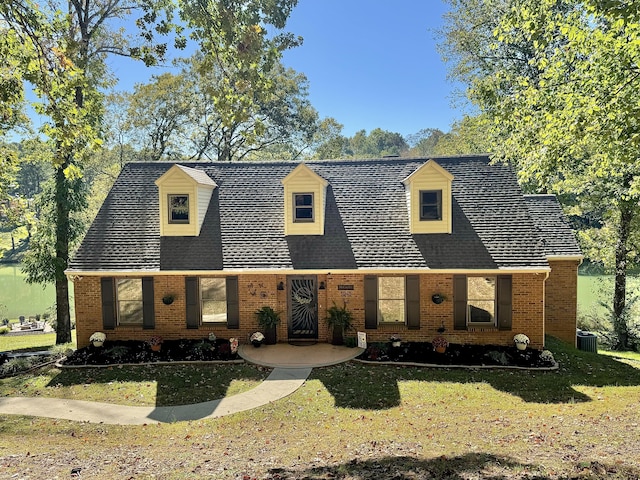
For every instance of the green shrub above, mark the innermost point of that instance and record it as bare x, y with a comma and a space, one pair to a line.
4, 330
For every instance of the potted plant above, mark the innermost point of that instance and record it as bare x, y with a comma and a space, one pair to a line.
395, 341
339, 320
97, 339
521, 341
233, 345
269, 319
256, 339
440, 344
168, 299
155, 343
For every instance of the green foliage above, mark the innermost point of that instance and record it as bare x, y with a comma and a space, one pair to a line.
267, 317
41, 263
378, 143
240, 51
467, 136
556, 82
339, 317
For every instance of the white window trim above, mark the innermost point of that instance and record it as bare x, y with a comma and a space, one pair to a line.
169, 207
295, 208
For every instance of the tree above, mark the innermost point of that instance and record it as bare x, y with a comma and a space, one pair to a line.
62, 56
467, 136
378, 143
174, 117
159, 111
564, 107
424, 142
328, 141
240, 51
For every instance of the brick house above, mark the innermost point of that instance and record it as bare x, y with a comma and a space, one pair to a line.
409, 245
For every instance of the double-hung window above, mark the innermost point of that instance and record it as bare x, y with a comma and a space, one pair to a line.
430, 205
303, 207
129, 301
391, 300
213, 298
481, 300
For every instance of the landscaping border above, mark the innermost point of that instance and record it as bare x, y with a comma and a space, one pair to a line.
470, 367
146, 364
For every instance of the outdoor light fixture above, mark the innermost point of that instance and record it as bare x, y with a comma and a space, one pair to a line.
281, 286
321, 287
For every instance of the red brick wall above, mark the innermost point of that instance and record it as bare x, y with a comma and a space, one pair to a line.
256, 291
561, 299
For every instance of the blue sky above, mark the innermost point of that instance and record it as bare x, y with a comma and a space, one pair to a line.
370, 63
373, 63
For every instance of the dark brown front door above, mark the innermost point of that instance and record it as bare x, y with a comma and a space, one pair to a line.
302, 305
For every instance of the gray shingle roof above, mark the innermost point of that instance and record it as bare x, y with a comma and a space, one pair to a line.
557, 237
366, 225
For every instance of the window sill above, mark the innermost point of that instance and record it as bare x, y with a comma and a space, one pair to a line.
391, 325
481, 328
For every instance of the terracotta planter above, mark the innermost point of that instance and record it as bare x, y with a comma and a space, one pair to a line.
441, 349
155, 348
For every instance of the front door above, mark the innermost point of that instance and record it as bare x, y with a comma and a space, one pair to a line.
302, 306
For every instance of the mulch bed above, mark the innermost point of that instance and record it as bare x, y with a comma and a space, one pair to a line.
462, 355
136, 351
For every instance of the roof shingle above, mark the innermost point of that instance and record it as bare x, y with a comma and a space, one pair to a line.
366, 224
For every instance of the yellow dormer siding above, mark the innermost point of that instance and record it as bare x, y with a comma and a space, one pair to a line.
304, 202
184, 194
429, 199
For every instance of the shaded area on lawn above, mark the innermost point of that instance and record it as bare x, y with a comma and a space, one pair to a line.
174, 384
472, 465
375, 387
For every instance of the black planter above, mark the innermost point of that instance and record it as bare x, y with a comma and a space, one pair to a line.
437, 299
270, 335
256, 343
338, 337
167, 300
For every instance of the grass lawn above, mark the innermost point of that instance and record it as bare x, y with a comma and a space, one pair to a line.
34, 341
354, 421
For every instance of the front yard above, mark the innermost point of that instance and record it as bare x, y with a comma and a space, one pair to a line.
355, 421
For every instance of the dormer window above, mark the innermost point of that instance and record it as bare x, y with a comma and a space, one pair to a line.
303, 207
184, 194
429, 199
430, 205
305, 196
178, 208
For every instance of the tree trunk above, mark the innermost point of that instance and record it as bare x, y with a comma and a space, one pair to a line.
63, 331
620, 287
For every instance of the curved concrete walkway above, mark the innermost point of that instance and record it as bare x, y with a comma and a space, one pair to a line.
292, 367
280, 383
